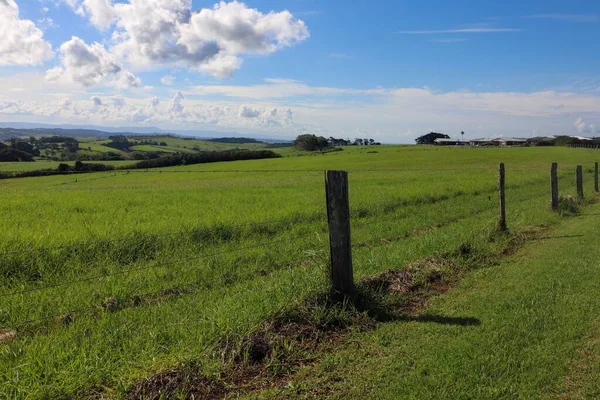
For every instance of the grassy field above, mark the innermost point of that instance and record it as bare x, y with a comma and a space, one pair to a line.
526, 328
155, 269
42, 164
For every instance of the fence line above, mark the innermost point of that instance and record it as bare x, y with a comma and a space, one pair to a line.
338, 217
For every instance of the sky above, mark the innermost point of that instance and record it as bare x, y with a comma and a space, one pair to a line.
389, 70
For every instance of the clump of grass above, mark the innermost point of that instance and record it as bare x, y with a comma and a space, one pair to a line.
568, 206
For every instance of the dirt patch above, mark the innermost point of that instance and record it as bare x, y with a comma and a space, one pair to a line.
183, 381
262, 360
6, 335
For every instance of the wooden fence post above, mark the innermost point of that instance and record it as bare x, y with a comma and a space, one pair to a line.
554, 185
596, 178
580, 182
338, 216
501, 182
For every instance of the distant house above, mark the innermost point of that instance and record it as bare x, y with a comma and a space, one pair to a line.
449, 142
482, 142
502, 141
499, 141
581, 138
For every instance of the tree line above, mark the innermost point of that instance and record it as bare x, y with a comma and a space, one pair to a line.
310, 142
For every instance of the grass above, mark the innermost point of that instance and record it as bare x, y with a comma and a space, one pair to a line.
42, 164
250, 246
536, 335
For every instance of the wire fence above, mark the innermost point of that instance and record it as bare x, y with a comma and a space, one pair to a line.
520, 195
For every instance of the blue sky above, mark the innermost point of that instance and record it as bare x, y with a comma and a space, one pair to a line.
392, 70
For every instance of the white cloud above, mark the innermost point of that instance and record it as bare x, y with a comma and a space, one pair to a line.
21, 41
167, 80
176, 106
100, 12
90, 65
288, 108
247, 112
583, 127
97, 101
278, 88
212, 40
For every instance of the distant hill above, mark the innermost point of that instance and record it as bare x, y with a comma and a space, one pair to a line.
239, 140
36, 129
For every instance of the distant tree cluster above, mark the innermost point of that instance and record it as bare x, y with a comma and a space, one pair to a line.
430, 138
365, 142
318, 143
311, 142
205, 157
81, 167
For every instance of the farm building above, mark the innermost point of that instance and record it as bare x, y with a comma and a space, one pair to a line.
499, 141
482, 142
449, 142
510, 141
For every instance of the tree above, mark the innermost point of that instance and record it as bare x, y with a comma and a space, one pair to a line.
371, 142
462, 135
311, 142
430, 138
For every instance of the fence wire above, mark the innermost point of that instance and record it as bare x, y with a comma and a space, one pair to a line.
512, 204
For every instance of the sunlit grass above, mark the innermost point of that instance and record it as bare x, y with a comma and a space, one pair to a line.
233, 246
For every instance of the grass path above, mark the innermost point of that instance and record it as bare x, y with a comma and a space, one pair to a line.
537, 335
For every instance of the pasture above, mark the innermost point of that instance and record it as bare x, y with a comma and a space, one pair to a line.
108, 278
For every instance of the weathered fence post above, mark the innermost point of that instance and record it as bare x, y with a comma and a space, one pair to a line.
580, 182
554, 185
596, 178
338, 216
501, 182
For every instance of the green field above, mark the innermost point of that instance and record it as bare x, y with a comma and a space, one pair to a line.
42, 164
159, 268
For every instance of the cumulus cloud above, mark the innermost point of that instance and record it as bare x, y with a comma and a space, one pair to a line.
21, 41
97, 101
168, 32
90, 65
247, 112
176, 106
155, 102
583, 127
100, 12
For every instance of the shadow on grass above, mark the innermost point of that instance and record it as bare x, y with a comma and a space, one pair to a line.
442, 320
379, 307
556, 237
